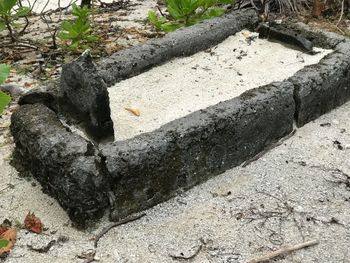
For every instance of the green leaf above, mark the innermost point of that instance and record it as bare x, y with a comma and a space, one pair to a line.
23, 11
92, 39
214, 12
2, 26
4, 72
7, 5
186, 13
4, 100
226, 2
3, 243
171, 26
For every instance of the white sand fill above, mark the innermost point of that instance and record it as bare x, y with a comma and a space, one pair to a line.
185, 85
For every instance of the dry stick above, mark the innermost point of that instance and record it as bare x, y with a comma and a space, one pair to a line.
121, 222
283, 251
341, 13
183, 257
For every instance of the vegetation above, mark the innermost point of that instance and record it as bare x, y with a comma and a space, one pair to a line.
186, 13
9, 14
4, 98
79, 32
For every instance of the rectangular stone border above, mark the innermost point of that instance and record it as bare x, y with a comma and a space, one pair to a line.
83, 96
138, 173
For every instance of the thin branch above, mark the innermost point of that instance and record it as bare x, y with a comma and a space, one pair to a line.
113, 225
183, 257
341, 13
283, 251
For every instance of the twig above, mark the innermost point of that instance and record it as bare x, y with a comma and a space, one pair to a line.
121, 222
44, 249
283, 251
341, 13
183, 257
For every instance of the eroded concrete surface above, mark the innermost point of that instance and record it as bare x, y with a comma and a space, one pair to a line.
293, 193
188, 84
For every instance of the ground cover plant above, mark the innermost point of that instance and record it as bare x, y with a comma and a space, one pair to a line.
10, 12
4, 98
186, 13
79, 33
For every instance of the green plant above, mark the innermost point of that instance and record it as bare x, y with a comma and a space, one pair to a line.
4, 243
9, 14
78, 32
4, 98
186, 13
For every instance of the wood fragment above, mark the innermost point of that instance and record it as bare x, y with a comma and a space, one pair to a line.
44, 249
134, 111
283, 251
181, 256
119, 223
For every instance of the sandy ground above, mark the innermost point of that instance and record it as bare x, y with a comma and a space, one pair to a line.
292, 194
185, 85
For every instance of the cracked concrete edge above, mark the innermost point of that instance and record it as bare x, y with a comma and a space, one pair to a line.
150, 168
324, 86
321, 87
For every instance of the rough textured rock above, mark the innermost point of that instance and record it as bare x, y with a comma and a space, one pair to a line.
318, 37
83, 95
150, 168
46, 94
64, 163
182, 42
285, 35
322, 87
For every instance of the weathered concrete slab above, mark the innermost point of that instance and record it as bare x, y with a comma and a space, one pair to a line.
189, 150
65, 164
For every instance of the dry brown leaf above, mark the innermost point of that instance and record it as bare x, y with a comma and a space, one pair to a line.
246, 34
9, 235
33, 223
134, 111
3, 229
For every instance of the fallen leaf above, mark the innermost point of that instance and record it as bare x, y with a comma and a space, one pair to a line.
3, 229
246, 34
134, 111
7, 240
33, 223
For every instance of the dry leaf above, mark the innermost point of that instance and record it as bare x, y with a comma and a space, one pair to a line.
246, 34
3, 229
33, 223
9, 239
134, 111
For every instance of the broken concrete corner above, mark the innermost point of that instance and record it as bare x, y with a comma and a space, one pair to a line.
65, 164
83, 96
